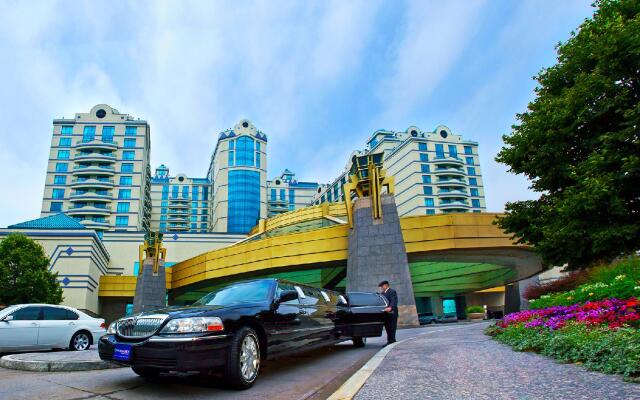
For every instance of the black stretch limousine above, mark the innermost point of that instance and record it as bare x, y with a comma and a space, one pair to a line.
233, 329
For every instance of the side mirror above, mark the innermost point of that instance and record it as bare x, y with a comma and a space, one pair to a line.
7, 318
288, 295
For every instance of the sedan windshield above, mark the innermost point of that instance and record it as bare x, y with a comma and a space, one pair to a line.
240, 293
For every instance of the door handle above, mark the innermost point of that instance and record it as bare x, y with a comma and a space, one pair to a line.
34, 324
72, 323
303, 312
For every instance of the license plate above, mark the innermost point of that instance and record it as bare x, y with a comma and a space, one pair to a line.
122, 352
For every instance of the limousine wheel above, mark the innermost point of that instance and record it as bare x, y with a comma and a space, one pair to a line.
243, 362
359, 341
80, 341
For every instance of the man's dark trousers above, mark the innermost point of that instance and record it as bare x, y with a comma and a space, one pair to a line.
390, 324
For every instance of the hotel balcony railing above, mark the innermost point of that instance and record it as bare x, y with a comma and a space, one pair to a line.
96, 144
452, 193
92, 182
89, 210
93, 224
97, 157
93, 169
91, 196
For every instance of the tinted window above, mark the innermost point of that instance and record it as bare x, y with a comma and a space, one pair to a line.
282, 286
27, 314
58, 314
365, 299
239, 293
334, 298
312, 296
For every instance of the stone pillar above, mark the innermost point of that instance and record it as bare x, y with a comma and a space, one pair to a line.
377, 253
151, 290
511, 298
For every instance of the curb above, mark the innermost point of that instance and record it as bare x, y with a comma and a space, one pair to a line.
353, 385
14, 362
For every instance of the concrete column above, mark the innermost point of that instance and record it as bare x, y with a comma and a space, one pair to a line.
377, 253
151, 290
436, 305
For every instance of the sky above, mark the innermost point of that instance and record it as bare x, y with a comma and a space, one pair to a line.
318, 77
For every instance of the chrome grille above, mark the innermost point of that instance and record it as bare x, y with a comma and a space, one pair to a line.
140, 327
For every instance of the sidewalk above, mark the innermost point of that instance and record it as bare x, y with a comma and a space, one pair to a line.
465, 364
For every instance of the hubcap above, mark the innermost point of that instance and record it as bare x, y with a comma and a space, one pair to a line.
249, 358
81, 342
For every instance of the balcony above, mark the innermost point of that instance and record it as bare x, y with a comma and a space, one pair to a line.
177, 227
80, 170
179, 199
449, 172
178, 219
96, 145
452, 193
179, 205
95, 157
454, 205
92, 183
454, 182
446, 160
89, 210
91, 196
98, 225
178, 212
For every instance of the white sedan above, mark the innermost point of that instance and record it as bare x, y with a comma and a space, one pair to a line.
28, 327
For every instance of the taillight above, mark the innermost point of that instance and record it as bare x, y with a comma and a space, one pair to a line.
103, 325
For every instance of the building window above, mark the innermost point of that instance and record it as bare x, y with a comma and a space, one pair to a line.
129, 143
258, 159
61, 167
174, 191
439, 150
123, 207
128, 155
194, 193
193, 218
125, 181
124, 194
58, 194
122, 220
185, 192
469, 160
426, 178
131, 130
468, 150
424, 157
244, 200
273, 195
473, 182
453, 151
424, 168
165, 192
65, 142
63, 154
282, 192
244, 151
205, 195
430, 211
231, 157
428, 201
163, 226
475, 203
422, 146
66, 130
60, 180
474, 192
471, 171
292, 196
126, 167
427, 190
107, 134
56, 206
89, 133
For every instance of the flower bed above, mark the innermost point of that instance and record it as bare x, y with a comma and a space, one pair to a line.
622, 287
603, 335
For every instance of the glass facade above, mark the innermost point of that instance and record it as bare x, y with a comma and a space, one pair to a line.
244, 151
244, 199
107, 134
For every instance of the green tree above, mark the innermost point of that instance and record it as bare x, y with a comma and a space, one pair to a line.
579, 144
24, 273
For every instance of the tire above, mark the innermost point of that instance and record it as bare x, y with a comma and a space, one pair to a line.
359, 341
243, 359
148, 373
80, 341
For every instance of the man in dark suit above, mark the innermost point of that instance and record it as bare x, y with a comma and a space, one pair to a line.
391, 322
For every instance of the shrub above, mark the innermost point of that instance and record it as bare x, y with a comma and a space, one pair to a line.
563, 284
474, 309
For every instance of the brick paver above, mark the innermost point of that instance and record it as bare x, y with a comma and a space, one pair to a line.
463, 363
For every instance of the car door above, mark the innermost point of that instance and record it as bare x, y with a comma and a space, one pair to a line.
56, 327
366, 314
314, 313
21, 332
284, 326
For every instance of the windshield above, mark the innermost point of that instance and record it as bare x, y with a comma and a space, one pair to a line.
239, 293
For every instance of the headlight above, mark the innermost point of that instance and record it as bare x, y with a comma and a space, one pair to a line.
112, 328
193, 325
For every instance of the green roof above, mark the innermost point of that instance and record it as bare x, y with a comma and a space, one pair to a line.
57, 221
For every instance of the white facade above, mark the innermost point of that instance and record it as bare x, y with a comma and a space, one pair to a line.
98, 170
435, 172
285, 193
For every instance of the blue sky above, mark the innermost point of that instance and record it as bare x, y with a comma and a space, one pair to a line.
317, 77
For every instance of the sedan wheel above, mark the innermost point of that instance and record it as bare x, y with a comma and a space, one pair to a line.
80, 341
243, 361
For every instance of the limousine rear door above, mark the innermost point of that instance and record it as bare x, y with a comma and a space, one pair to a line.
288, 323
366, 314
